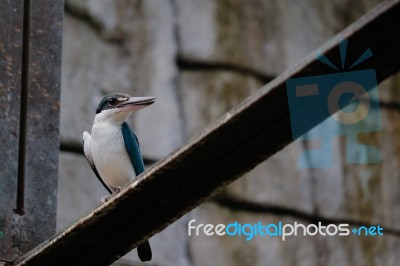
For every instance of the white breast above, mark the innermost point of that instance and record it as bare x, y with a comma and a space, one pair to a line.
110, 156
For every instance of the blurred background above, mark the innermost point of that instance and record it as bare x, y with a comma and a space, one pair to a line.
200, 58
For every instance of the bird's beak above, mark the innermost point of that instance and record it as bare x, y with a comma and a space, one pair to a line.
136, 103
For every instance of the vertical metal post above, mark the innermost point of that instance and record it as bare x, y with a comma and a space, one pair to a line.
11, 32
30, 62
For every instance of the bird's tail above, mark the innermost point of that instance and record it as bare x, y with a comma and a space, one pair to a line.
144, 251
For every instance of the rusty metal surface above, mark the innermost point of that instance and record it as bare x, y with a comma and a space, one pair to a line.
241, 139
30, 49
11, 20
42, 120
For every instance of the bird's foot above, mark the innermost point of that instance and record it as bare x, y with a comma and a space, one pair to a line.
105, 199
116, 190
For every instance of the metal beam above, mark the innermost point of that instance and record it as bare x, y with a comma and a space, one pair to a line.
237, 142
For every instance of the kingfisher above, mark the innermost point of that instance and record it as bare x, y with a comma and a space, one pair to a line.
112, 149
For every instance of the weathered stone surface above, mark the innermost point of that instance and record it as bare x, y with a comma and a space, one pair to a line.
103, 14
207, 95
266, 36
388, 177
160, 127
277, 182
389, 91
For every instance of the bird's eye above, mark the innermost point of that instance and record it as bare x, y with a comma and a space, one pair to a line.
112, 101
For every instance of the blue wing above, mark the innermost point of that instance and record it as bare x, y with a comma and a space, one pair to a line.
132, 147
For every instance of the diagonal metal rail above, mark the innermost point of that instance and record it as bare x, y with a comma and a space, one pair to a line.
237, 142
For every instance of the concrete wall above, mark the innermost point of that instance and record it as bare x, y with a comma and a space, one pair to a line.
201, 58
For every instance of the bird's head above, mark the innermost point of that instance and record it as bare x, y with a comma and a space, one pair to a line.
116, 107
